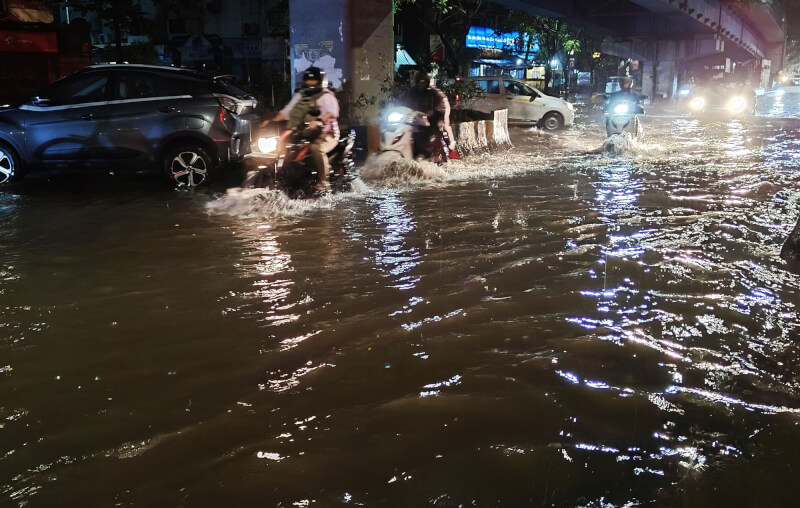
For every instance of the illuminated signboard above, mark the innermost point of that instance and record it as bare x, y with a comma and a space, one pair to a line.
488, 38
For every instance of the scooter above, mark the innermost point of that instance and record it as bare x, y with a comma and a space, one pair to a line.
623, 116
282, 160
401, 131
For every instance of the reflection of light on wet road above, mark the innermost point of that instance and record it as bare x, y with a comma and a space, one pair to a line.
392, 254
672, 286
272, 284
617, 328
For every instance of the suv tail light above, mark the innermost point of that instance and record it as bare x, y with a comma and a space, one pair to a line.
225, 118
230, 104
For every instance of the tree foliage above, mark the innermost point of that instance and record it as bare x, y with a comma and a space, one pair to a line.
450, 20
557, 40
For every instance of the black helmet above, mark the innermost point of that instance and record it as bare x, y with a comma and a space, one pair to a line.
423, 76
313, 73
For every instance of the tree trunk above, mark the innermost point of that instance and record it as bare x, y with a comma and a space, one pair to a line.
548, 74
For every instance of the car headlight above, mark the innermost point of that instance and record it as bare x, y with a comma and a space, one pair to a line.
737, 104
684, 92
268, 145
570, 106
395, 117
697, 103
621, 109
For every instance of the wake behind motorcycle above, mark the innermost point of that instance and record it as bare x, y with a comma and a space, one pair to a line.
407, 132
623, 116
281, 160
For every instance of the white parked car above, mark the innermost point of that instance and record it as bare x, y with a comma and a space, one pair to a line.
525, 103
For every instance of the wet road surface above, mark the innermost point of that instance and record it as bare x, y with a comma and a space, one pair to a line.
549, 327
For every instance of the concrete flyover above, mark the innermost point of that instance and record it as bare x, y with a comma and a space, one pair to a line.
667, 36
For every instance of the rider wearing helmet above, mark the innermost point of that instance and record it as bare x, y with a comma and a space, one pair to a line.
625, 94
433, 102
314, 104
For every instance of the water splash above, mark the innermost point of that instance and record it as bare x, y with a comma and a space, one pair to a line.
390, 168
268, 202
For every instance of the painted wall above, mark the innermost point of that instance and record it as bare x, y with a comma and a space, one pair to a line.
317, 38
353, 42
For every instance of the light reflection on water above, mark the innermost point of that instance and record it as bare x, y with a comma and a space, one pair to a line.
552, 326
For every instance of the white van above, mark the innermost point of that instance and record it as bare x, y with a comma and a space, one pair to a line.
525, 103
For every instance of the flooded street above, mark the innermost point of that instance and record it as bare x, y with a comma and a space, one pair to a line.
546, 327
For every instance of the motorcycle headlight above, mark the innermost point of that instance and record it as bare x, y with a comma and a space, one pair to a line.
395, 117
737, 104
621, 109
697, 103
268, 145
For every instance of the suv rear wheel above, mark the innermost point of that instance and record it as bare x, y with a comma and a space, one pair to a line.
9, 164
188, 165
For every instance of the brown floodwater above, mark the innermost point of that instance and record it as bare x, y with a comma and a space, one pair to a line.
545, 327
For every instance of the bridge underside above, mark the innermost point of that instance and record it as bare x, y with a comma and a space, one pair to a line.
667, 35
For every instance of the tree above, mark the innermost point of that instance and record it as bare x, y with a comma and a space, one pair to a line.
450, 20
557, 40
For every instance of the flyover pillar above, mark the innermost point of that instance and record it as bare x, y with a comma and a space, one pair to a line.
353, 42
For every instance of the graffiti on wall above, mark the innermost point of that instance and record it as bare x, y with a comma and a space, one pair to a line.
318, 40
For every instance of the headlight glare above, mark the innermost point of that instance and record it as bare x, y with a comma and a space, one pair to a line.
736, 104
395, 117
697, 103
621, 109
267, 145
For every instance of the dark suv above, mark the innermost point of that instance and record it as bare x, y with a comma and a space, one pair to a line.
185, 123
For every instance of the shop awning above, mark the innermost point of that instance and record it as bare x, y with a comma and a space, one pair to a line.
402, 57
17, 41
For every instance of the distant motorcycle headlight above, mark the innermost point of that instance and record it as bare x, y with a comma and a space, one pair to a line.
697, 103
621, 109
395, 117
685, 92
737, 104
268, 145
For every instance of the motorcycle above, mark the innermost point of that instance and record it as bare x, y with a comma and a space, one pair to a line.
404, 131
622, 116
281, 160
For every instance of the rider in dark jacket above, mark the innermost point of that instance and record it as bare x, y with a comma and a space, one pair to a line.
625, 94
433, 102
